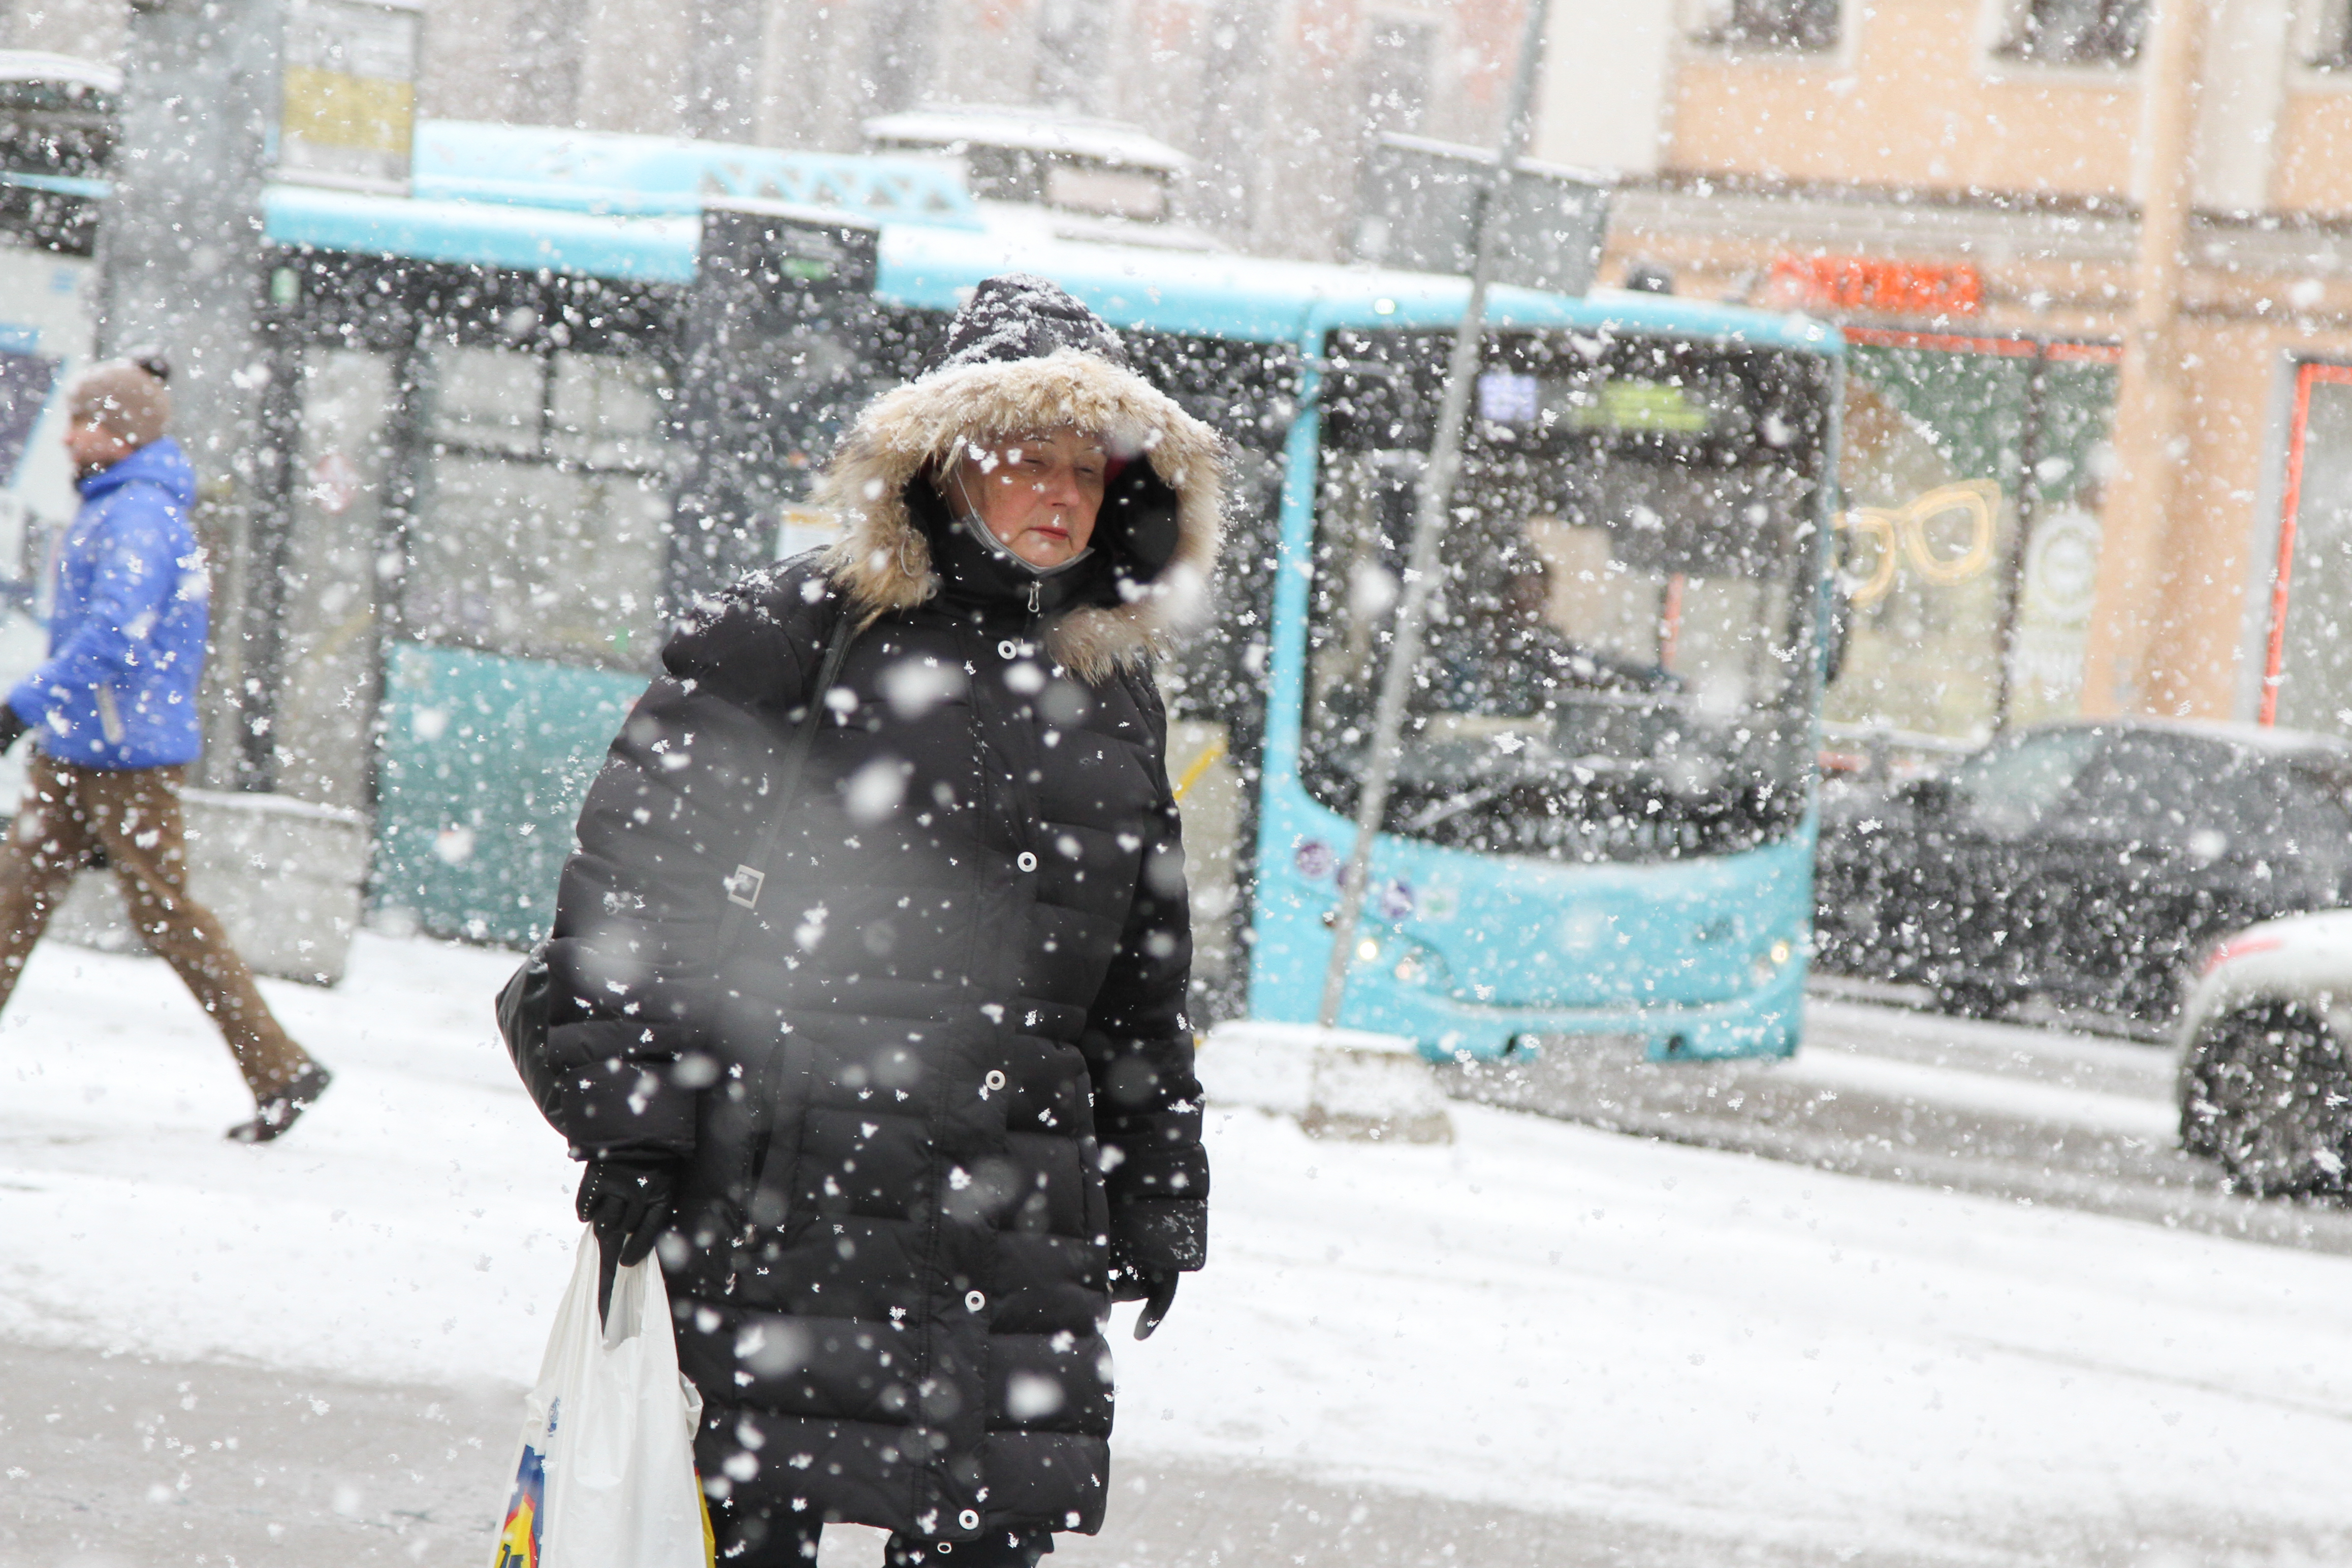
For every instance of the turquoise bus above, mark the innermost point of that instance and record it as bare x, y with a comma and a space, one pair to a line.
570, 381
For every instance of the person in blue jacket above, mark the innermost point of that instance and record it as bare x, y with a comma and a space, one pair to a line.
113, 711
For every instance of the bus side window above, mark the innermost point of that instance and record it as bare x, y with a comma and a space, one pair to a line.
543, 506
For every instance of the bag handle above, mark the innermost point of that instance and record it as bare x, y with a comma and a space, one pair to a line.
743, 885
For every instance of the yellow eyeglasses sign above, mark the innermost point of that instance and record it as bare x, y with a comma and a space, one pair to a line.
1901, 532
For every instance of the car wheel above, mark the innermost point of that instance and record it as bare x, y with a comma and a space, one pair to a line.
2269, 1096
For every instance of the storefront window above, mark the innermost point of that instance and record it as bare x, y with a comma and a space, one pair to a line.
1969, 542
2311, 652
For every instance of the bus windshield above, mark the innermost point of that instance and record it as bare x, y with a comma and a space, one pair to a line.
1619, 663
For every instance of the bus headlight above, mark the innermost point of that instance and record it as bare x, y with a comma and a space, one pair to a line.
1772, 961
1417, 966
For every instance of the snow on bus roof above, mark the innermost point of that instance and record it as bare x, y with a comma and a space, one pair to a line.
1037, 130
1220, 294
605, 204
619, 174
66, 70
482, 234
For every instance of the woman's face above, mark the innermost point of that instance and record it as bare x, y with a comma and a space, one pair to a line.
1039, 494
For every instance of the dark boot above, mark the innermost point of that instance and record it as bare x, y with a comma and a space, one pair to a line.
276, 1112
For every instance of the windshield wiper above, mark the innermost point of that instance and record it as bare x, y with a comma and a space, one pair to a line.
1468, 800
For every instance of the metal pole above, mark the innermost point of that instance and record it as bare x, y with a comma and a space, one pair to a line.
2138, 525
1435, 495
2029, 508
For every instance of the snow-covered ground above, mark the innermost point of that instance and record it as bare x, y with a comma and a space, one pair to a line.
1540, 1313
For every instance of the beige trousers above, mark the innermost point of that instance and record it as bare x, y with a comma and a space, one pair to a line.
133, 815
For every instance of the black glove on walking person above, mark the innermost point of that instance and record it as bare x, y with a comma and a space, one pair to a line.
627, 1198
12, 726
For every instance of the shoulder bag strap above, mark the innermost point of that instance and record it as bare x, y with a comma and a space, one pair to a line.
743, 885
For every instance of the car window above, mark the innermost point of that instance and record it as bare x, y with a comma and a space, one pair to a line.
2317, 820
2163, 789
2006, 791
2209, 798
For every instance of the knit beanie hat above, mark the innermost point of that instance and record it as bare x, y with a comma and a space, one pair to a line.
124, 396
1019, 316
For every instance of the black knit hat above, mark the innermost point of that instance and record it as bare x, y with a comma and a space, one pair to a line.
1018, 316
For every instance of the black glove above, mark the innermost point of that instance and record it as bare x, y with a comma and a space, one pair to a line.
1160, 1294
1154, 1288
12, 726
627, 1198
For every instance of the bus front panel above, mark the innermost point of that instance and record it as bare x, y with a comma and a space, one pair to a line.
1601, 816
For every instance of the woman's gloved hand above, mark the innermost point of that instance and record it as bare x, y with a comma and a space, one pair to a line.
1160, 1294
627, 1198
1154, 1288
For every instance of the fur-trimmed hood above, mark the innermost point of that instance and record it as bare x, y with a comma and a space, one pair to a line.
883, 560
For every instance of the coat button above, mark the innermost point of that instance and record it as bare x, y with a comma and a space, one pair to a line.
969, 1518
995, 1080
974, 1301
1025, 861
1005, 650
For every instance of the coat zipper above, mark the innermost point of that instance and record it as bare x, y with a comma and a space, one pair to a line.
924, 1488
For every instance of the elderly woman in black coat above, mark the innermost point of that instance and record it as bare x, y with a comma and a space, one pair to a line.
902, 1084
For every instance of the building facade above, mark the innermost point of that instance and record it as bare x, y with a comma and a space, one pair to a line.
1958, 183
1274, 98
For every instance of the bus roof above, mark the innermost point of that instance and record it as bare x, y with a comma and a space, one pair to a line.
1223, 294
483, 233
629, 207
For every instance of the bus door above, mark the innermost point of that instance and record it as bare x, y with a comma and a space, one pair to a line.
1215, 680
459, 591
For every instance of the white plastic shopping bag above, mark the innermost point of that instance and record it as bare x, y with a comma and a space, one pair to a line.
604, 1473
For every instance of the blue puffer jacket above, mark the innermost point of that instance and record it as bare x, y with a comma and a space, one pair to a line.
126, 634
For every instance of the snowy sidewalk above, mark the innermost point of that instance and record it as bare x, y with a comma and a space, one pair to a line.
1678, 1354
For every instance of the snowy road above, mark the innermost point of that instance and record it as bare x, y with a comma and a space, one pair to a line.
1544, 1343
2041, 1115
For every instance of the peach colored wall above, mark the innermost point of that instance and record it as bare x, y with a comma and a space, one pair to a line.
2313, 172
2229, 484
1910, 108
2194, 658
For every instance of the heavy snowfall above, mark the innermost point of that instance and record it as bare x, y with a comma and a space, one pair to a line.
1609, 1349
1743, 591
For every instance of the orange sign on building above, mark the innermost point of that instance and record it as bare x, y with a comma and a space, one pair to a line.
1874, 286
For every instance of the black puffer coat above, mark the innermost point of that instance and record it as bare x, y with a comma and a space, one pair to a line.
943, 1086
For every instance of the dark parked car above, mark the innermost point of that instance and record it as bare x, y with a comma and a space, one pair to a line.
2091, 863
